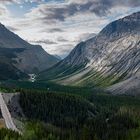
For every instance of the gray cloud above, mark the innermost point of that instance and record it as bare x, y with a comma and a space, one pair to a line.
64, 50
13, 29
61, 39
54, 30
85, 36
21, 1
98, 7
48, 42
59, 27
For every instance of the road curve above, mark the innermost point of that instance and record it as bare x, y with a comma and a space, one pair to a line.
6, 115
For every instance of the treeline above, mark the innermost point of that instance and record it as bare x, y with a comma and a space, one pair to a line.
61, 115
48, 86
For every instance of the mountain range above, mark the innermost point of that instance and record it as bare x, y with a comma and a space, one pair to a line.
110, 57
72, 98
18, 58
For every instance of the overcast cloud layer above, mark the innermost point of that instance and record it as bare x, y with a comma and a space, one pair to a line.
58, 25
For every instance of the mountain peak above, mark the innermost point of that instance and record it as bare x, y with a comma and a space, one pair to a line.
123, 26
113, 55
2, 26
133, 16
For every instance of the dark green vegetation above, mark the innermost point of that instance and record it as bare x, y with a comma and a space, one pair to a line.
6, 134
62, 110
66, 116
71, 113
33, 131
99, 116
7, 69
48, 86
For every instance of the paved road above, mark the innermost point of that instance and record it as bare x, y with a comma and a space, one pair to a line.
6, 115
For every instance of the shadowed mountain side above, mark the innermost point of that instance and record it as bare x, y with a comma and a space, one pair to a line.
32, 58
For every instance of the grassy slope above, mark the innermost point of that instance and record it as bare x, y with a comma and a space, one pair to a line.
58, 71
67, 75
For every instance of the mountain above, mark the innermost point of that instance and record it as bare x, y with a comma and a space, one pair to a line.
25, 57
58, 57
7, 69
108, 58
130, 86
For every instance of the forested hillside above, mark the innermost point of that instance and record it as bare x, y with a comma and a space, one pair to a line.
95, 117
55, 112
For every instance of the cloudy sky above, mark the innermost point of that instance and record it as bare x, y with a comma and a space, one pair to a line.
58, 25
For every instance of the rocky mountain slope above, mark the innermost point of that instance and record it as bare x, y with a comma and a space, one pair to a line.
7, 69
111, 56
27, 58
130, 86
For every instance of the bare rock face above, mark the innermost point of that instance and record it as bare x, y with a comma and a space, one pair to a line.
130, 86
29, 58
111, 56
116, 49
